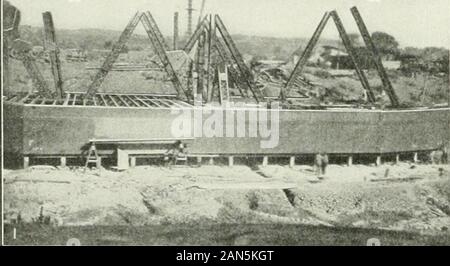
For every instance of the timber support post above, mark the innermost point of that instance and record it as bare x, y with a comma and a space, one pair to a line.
265, 161
26, 162
63, 161
292, 161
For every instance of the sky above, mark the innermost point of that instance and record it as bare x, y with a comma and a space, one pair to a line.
417, 23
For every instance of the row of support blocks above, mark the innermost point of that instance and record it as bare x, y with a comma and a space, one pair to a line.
265, 162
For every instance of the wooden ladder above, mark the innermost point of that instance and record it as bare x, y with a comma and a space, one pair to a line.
93, 157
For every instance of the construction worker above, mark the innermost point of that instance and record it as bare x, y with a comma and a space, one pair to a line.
177, 151
321, 163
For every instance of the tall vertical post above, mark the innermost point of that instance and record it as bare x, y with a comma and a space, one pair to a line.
6, 75
200, 66
52, 47
376, 57
190, 10
211, 40
247, 75
175, 31
112, 57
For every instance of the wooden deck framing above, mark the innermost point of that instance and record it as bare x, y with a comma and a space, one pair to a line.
151, 101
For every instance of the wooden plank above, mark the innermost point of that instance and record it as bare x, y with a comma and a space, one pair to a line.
122, 100
265, 161
387, 85
112, 99
24, 99
379, 162
63, 161
51, 46
230, 161
132, 161
351, 52
163, 102
146, 104
35, 100
133, 101
151, 29
74, 99
416, 157
26, 162
173, 103
103, 99
66, 101
307, 52
151, 100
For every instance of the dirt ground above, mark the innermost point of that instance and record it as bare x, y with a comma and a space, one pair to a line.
406, 197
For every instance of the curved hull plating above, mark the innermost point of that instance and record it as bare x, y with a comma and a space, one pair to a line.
66, 130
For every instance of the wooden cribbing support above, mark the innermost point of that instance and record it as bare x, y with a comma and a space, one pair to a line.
304, 58
292, 161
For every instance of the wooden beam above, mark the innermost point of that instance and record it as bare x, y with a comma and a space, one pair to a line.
26, 162
122, 100
132, 161
133, 101
66, 101
140, 100
379, 161
230, 161
51, 46
350, 161
63, 161
387, 85
112, 99
304, 58
112, 57
244, 69
103, 99
416, 157
151, 29
151, 100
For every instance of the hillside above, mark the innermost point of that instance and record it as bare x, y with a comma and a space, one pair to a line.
88, 39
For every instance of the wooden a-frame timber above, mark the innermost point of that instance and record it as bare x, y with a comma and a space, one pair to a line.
151, 29
292, 81
51, 46
387, 86
243, 68
376, 57
227, 52
158, 44
112, 57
